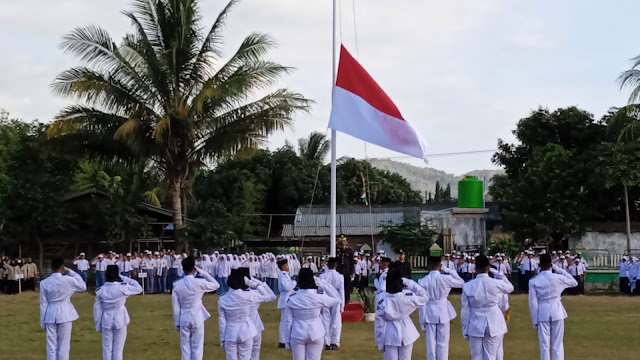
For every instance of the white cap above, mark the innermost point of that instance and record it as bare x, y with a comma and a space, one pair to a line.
128, 254
543, 252
100, 255
561, 256
447, 254
309, 257
625, 258
156, 253
81, 254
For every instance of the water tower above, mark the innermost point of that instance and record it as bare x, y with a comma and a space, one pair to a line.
468, 229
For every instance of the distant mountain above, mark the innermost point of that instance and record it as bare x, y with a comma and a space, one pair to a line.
424, 179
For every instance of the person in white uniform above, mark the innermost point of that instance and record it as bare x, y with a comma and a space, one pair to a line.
393, 328
109, 313
545, 305
436, 315
56, 310
380, 282
82, 266
333, 316
310, 265
236, 318
483, 322
188, 312
305, 332
286, 286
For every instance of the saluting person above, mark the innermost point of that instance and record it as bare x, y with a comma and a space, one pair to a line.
483, 322
393, 329
236, 314
286, 286
188, 312
436, 315
109, 313
305, 332
333, 316
545, 305
56, 310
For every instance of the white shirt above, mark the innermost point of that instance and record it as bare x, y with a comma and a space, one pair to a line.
127, 266
335, 279
545, 290
109, 311
302, 314
380, 282
161, 265
82, 264
186, 299
481, 311
311, 265
224, 268
286, 286
101, 265
148, 264
235, 308
393, 326
624, 268
501, 268
55, 298
437, 286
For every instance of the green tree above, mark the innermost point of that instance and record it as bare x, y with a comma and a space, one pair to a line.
447, 193
412, 236
165, 94
315, 147
438, 195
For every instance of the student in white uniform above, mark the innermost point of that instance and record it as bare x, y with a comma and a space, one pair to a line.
393, 328
236, 319
483, 322
82, 266
310, 265
286, 286
109, 313
545, 305
305, 332
380, 282
436, 315
188, 312
101, 266
332, 316
56, 310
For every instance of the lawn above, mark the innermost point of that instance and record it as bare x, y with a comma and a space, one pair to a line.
597, 326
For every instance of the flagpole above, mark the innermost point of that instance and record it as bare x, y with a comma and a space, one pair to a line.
332, 240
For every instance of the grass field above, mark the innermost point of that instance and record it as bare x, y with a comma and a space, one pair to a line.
597, 326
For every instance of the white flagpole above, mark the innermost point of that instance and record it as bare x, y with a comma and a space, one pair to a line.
333, 138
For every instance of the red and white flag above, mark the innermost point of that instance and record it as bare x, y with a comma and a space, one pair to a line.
363, 110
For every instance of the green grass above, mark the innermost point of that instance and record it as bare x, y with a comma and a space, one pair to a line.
597, 325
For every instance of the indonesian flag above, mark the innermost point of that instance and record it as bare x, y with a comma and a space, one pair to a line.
363, 110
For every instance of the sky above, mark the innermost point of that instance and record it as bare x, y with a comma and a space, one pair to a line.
461, 72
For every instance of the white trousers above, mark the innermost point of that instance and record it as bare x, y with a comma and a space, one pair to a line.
550, 335
500, 353
397, 352
238, 350
58, 340
113, 343
332, 319
192, 342
438, 341
484, 348
307, 350
281, 328
257, 344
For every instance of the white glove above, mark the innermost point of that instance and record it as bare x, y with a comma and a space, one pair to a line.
496, 274
557, 269
445, 270
252, 283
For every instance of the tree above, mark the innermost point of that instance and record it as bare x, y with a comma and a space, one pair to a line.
315, 147
438, 195
447, 194
412, 236
163, 93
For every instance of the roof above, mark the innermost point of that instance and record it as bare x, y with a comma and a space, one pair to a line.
362, 220
94, 191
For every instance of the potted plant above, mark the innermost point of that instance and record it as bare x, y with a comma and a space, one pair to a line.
369, 304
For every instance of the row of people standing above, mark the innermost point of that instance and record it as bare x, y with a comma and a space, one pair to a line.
14, 271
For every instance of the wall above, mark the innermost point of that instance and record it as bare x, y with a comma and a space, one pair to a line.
615, 243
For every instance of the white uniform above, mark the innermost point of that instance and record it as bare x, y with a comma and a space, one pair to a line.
57, 312
393, 329
380, 283
82, 264
483, 322
547, 312
189, 314
332, 316
237, 321
436, 315
310, 265
305, 331
285, 286
111, 317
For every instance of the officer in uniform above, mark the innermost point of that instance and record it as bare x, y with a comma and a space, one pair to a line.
405, 267
344, 255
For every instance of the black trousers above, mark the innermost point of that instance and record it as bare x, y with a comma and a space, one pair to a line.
348, 288
12, 287
576, 290
624, 285
525, 281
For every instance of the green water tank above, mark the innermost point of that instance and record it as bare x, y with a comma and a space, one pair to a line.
470, 192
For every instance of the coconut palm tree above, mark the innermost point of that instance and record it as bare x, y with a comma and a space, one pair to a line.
165, 94
315, 147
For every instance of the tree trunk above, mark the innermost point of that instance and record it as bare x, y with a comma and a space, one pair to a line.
626, 213
176, 203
